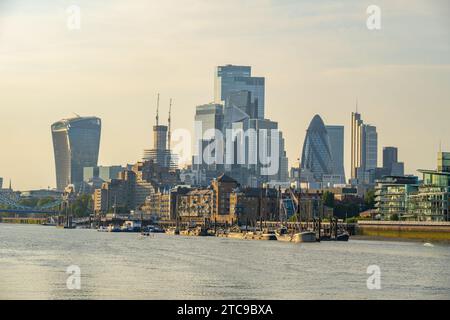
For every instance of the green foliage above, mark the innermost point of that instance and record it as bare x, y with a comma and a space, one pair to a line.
31, 203
45, 201
328, 199
348, 208
369, 199
395, 217
352, 220
82, 206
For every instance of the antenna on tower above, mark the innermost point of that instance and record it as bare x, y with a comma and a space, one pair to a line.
356, 105
157, 111
169, 137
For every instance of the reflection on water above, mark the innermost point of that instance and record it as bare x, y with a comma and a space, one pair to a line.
34, 259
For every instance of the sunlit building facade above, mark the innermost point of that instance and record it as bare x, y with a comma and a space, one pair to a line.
231, 79
405, 199
364, 150
76, 144
432, 201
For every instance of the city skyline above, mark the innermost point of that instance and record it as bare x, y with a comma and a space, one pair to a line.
62, 78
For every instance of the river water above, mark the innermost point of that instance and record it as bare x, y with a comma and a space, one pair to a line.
34, 261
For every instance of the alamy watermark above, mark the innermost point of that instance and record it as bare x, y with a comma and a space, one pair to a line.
73, 21
374, 19
374, 280
73, 282
252, 147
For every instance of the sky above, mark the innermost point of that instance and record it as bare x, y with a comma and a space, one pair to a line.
318, 57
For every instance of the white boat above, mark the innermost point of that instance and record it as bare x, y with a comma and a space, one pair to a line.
103, 229
173, 231
300, 237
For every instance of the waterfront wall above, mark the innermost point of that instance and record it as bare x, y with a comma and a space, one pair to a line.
427, 231
24, 220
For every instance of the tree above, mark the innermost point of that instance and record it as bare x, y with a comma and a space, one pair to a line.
347, 209
369, 199
30, 203
45, 201
328, 199
81, 207
395, 217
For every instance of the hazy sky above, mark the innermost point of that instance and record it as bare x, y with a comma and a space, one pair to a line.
317, 57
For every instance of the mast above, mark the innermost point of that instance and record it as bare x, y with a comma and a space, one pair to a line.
170, 123
157, 111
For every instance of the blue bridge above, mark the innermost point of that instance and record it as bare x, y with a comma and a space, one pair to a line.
12, 206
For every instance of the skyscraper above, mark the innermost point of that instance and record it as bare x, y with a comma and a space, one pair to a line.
390, 162
336, 135
317, 156
364, 149
230, 78
210, 117
242, 98
390, 156
160, 153
76, 144
356, 143
371, 147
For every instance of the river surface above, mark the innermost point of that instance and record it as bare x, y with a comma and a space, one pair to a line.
34, 261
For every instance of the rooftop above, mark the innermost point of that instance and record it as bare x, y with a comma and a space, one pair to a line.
226, 178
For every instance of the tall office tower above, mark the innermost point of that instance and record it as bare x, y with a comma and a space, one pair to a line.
210, 117
270, 136
317, 154
371, 147
259, 141
1, 183
356, 144
76, 144
242, 100
390, 156
336, 135
391, 166
364, 149
230, 78
160, 154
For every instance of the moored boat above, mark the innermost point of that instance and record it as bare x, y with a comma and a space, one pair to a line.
173, 231
343, 237
299, 237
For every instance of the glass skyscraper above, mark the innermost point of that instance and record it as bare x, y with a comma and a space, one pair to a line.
317, 155
210, 117
364, 149
231, 79
76, 144
336, 135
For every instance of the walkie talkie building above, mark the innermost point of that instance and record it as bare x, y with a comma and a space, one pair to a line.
76, 143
